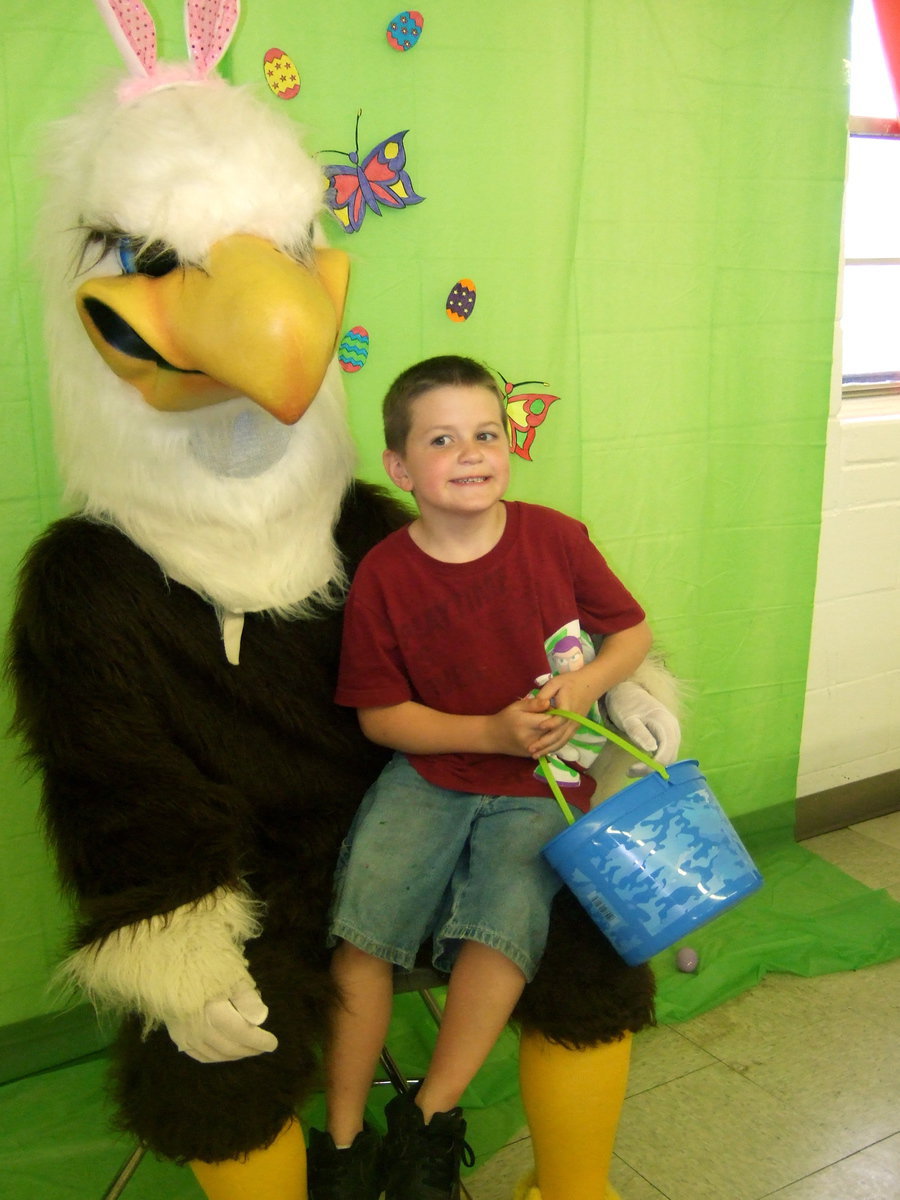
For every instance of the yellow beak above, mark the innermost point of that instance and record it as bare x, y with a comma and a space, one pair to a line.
253, 322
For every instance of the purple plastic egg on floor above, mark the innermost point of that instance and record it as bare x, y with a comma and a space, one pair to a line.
687, 960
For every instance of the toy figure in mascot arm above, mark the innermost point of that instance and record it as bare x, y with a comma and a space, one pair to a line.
175, 643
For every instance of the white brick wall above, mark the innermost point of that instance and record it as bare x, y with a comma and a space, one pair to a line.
851, 727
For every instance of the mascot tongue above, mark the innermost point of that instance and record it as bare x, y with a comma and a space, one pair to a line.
251, 322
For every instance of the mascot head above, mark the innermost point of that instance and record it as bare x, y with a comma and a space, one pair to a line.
193, 311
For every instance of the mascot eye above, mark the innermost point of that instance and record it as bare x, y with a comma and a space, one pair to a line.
145, 258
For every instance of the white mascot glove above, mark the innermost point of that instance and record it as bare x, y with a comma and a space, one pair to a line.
647, 722
226, 1028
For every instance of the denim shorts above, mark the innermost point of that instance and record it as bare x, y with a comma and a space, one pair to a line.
422, 861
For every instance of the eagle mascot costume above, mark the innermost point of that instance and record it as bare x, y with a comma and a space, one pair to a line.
175, 641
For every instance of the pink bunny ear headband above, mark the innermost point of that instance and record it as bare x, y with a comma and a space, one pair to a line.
209, 27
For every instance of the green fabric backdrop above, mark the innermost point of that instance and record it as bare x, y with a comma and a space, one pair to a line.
647, 195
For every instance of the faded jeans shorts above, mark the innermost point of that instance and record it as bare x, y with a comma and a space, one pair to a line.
422, 861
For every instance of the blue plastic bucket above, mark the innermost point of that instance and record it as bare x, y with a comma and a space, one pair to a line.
655, 861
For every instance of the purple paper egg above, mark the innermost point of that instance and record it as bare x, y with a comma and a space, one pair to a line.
461, 300
405, 30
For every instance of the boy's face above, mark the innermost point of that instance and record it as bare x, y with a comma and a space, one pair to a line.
456, 459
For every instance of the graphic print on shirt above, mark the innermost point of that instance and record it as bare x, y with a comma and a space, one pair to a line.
568, 649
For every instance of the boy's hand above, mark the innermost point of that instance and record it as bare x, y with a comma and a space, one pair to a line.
523, 724
573, 691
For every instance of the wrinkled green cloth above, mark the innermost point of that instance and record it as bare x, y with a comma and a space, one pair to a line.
809, 918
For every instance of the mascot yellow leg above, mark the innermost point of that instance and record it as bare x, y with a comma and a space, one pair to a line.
573, 1100
276, 1173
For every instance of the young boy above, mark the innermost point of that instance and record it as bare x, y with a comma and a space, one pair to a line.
444, 636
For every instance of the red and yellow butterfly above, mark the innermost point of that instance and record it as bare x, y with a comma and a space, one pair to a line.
526, 412
380, 180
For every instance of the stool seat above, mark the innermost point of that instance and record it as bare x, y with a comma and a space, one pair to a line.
418, 979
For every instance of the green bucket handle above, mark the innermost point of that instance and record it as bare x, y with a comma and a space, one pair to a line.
607, 733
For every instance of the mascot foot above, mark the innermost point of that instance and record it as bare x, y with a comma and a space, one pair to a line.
527, 1189
276, 1172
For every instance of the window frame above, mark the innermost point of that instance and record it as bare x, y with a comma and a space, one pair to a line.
884, 384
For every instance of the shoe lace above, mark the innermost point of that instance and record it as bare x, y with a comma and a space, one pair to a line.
439, 1167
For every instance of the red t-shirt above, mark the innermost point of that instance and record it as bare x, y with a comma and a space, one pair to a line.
468, 638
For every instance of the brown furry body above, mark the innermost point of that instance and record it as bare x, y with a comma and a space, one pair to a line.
168, 772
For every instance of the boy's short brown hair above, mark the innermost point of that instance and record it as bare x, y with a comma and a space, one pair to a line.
445, 370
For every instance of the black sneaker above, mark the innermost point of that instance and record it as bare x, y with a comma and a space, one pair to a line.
422, 1161
351, 1174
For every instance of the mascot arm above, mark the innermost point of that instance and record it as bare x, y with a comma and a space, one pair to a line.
150, 847
226, 1028
646, 709
170, 967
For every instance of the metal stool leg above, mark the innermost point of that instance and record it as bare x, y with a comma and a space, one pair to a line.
393, 1075
124, 1174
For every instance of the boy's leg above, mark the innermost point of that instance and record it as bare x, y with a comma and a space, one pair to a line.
425, 1143
484, 989
402, 849
358, 1032
500, 893
573, 1100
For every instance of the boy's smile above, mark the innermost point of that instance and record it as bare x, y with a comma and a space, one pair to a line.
456, 459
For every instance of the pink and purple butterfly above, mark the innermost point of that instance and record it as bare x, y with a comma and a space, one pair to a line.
380, 180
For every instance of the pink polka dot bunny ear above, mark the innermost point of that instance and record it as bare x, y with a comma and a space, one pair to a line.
134, 33
209, 28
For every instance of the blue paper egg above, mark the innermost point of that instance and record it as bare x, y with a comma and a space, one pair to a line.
354, 349
405, 30
461, 300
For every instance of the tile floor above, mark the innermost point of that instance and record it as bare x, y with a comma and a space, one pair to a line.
791, 1090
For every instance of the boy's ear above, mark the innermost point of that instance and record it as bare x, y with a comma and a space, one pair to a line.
396, 470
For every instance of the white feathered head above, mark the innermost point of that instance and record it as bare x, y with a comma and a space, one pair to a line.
192, 315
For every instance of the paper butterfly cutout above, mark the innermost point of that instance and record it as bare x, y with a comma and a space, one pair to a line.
526, 412
379, 180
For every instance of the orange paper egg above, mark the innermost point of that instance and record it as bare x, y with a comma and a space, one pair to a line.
281, 74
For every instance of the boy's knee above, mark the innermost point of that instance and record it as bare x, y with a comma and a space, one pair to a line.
345, 951
348, 957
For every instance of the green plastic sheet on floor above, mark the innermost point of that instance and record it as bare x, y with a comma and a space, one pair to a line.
56, 1144
809, 918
